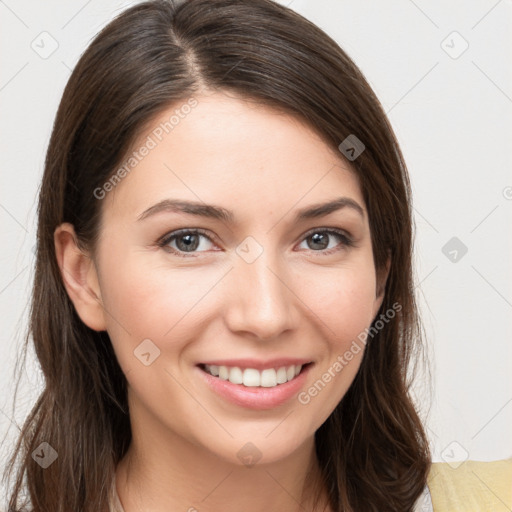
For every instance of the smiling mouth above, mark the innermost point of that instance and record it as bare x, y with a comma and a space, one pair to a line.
253, 378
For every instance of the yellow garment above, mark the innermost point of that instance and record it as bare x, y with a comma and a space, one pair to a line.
471, 487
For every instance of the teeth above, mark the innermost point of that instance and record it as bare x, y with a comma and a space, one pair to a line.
281, 376
252, 378
236, 375
268, 378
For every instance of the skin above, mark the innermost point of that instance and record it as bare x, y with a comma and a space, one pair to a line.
295, 300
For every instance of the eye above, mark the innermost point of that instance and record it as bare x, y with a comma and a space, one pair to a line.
192, 241
185, 241
319, 240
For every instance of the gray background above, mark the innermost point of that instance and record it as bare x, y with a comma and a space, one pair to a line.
451, 108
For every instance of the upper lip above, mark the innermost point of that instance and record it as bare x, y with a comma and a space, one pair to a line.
258, 364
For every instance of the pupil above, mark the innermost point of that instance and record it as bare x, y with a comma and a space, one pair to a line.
191, 242
317, 239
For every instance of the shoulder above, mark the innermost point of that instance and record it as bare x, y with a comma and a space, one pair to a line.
471, 485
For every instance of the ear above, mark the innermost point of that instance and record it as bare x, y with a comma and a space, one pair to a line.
382, 277
80, 278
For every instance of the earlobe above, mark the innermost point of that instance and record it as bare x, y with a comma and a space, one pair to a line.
80, 278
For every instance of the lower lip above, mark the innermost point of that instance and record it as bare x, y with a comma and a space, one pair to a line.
257, 398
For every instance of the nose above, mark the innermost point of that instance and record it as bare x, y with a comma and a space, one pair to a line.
261, 301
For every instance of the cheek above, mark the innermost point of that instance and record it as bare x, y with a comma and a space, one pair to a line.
353, 310
344, 298
152, 301
345, 303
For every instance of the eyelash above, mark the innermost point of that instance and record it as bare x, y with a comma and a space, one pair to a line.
346, 241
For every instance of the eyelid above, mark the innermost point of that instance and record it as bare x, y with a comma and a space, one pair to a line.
325, 229
171, 235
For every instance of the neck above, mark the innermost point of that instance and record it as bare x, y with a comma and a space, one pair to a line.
166, 472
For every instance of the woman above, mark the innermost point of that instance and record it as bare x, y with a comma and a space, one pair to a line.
223, 304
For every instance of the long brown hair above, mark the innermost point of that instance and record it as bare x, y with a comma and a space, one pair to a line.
372, 450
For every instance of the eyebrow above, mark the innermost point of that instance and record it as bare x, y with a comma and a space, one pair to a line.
217, 212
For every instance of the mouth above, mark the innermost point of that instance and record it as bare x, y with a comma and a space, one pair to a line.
255, 384
255, 378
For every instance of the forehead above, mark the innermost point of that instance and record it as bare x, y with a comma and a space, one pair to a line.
234, 152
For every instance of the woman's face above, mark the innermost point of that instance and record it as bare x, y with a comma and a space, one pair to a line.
216, 249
